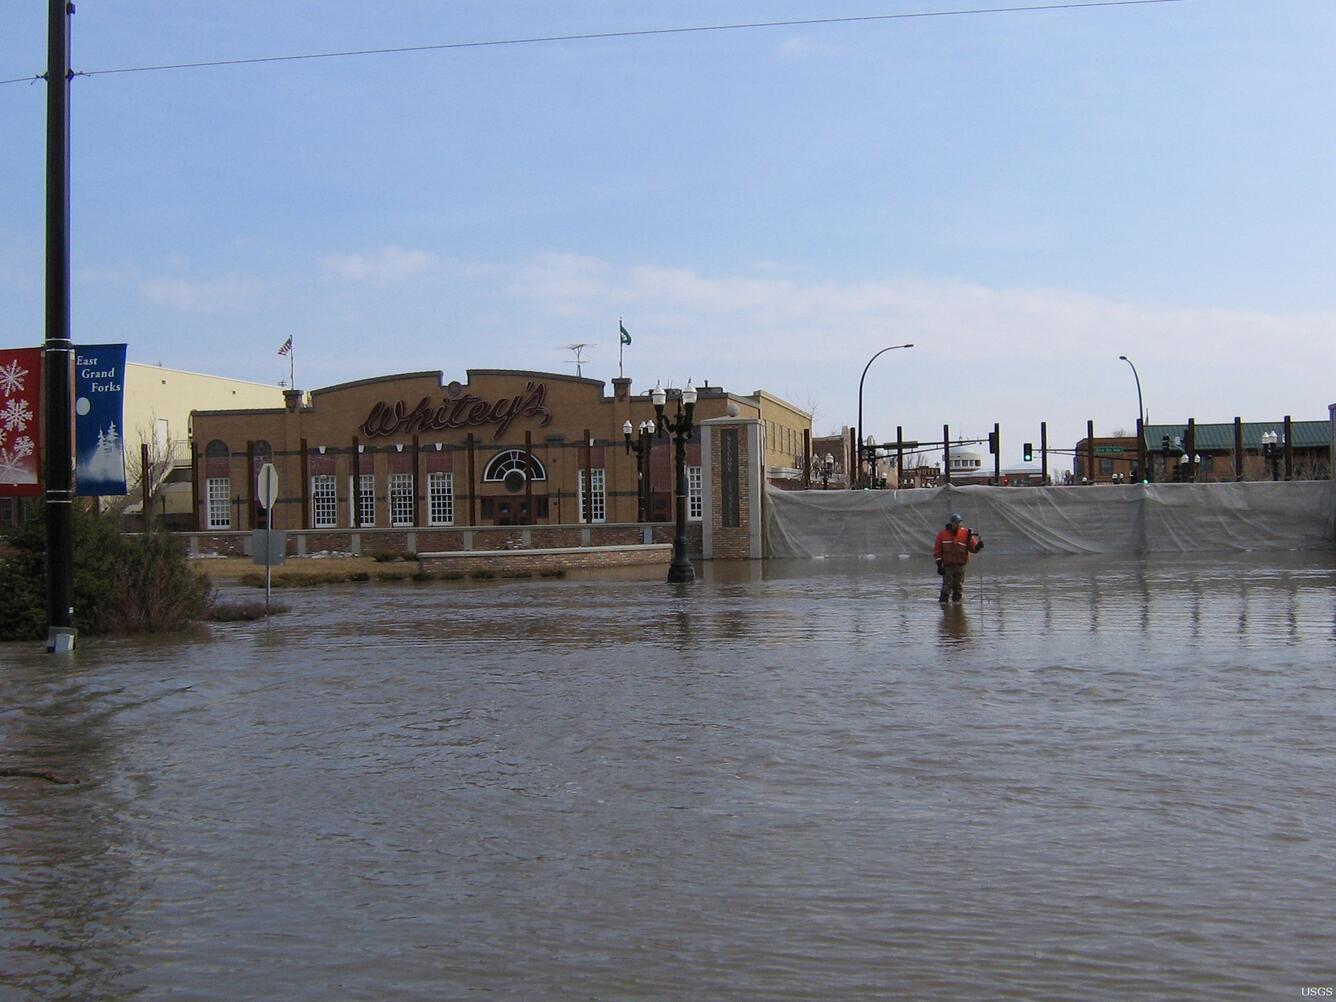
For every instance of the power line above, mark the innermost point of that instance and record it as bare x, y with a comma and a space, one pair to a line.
593, 36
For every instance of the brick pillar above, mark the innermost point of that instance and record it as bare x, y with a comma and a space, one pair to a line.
733, 489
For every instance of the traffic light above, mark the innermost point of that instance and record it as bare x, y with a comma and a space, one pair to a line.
1165, 445
992, 443
1027, 452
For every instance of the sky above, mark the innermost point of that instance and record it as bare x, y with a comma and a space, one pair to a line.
1024, 195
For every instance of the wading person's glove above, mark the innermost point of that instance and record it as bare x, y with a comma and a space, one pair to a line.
939, 567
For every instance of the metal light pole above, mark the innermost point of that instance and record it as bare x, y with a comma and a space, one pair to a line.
858, 460
1141, 421
641, 448
59, 349
680, 570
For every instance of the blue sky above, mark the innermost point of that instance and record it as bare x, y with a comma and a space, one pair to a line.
1025, 196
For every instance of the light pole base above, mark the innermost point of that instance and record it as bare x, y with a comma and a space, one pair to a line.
681, 572
60, 639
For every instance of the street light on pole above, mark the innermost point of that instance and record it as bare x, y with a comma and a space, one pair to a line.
859, 458
1141, 423
1141, 410
680, 570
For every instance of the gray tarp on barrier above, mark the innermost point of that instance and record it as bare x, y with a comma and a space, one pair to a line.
1130, 518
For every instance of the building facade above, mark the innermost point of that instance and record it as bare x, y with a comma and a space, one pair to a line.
504, 448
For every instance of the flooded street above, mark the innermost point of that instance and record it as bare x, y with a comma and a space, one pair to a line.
1097, 778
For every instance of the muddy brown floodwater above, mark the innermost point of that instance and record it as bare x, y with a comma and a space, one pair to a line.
1097, 778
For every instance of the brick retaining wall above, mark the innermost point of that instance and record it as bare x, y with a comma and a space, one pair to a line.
475, 539
557, 559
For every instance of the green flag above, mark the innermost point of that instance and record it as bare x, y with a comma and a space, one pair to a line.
626, 338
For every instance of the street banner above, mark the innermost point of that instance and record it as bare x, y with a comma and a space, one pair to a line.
99, 417
20, 405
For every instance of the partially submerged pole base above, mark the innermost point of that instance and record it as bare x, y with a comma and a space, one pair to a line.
60, 639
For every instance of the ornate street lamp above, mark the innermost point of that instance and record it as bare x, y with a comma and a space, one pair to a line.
641, 448
680, 570
1271, 450
859, 460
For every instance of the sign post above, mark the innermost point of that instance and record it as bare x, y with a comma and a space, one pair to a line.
266, 492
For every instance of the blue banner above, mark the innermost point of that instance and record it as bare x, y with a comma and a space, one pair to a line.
99, 416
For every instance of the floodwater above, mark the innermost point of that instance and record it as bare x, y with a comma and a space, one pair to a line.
1096, 778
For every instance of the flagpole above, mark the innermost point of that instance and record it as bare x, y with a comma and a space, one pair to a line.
621, 346
292, 379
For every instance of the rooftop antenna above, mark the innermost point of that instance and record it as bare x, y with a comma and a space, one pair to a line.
578, 347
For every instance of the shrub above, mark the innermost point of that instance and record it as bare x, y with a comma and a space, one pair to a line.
156, 590
384, 558
121, 583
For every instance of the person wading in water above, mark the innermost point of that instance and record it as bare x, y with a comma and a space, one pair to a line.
952, 551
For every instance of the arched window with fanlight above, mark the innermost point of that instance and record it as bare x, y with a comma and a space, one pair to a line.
509, 468
217, 485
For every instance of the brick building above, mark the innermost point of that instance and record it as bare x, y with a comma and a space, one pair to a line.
505, 448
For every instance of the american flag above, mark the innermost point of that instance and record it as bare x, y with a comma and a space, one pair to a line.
287, 346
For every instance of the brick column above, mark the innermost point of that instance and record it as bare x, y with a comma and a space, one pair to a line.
733, 489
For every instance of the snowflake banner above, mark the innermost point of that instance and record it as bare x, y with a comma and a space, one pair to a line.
20, 407
99, 417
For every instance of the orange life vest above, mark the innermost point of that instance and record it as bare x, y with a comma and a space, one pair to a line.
953, 549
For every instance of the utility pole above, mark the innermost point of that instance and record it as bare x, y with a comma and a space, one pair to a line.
58, 348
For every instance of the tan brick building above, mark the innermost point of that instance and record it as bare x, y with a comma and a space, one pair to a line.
417, 450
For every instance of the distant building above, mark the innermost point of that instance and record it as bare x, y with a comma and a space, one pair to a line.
1223, 452
1114, 461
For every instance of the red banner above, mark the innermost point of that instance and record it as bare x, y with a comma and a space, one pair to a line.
20, 410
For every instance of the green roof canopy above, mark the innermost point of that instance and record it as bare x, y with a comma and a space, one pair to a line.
1220, 437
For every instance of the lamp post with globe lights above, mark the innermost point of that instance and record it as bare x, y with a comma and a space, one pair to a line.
1271, 452
641, 447
680, 427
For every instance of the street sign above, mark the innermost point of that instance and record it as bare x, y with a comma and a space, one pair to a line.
266, 488
268, 547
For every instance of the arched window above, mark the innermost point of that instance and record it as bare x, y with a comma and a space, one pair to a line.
217, 486
512, 461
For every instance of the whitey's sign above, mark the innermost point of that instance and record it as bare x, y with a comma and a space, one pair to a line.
465, 411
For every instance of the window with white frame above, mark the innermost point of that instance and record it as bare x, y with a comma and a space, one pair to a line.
218, 492
366, 501
324, 502
695, 498
441, 498
401, 499
598, 495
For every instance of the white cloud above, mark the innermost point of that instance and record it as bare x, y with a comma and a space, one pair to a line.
387, 266
1017, 356
983, 354
224, 293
